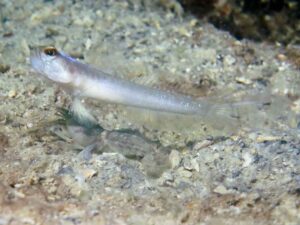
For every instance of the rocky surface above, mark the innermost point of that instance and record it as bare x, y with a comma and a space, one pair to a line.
260, 20
248, 175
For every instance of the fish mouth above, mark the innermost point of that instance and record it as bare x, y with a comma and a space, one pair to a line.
36, 59
34, 53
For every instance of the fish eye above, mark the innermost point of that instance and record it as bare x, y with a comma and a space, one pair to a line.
50, 51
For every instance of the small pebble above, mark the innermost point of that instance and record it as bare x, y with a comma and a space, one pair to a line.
243, 80
29, 125
25, 47
229, 60
247, 157
88, 44
193, 22
263, 138
4, 141
51, 32
166, 178
281, 57
202, 144
221, 189
184, 32
85, 21
89, 173
184, 173
174, 159
4, 68
187, 164
8, 34
12, 93
195, 165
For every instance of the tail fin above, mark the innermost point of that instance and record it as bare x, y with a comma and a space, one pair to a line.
222, 117
230, 117
255, 115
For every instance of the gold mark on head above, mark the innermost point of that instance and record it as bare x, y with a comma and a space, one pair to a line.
50, 51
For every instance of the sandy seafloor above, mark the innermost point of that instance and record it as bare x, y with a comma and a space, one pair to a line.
206, 176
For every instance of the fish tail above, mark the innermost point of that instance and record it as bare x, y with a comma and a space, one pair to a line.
232, 116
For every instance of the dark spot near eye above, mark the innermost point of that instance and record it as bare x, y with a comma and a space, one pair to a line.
50, 51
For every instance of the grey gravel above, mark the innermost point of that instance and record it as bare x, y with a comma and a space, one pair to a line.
197, 174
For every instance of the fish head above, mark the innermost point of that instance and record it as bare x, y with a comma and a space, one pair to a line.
51, 63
